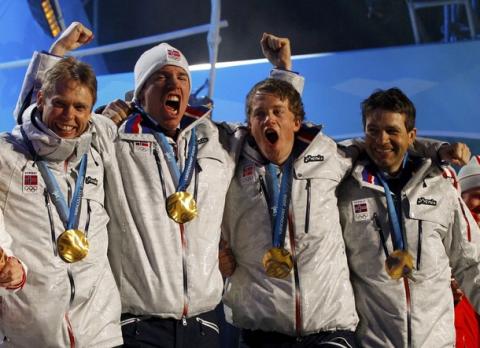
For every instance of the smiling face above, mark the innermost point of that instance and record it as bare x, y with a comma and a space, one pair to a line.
67, 109
387, 139
273, 126
165, 96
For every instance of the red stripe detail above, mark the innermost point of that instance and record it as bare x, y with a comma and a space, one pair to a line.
371, 178
298, 300
136, 124
409, 310
71, 336
478, 159
469, 233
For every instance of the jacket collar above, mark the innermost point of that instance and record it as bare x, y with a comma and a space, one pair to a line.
139, 122
49, 145
364, 172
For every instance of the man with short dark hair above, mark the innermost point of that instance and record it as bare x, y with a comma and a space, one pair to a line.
404, 228
52, 172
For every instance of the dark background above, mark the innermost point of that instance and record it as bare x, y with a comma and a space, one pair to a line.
314, 26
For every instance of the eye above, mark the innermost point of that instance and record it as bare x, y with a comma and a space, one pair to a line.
183, 77
259, 114
57, 103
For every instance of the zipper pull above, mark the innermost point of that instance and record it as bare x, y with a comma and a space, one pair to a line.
184, 321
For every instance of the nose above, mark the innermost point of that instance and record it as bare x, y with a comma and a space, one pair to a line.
270, 118
68, 112
382, 138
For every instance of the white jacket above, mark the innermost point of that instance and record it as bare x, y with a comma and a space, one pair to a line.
436, 222
161, 268
45, 312
258, 302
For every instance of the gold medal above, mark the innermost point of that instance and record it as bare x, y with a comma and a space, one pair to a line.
278, 262
181, 207
399, 264
72, 245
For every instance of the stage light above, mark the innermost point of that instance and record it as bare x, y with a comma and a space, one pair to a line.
48, 15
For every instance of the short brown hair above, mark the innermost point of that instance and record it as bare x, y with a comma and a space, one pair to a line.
281, 89
393, 100
70, 69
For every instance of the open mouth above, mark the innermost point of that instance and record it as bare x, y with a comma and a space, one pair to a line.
271, 135
173, 103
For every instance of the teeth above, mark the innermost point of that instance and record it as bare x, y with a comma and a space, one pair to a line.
173, 98
66, 128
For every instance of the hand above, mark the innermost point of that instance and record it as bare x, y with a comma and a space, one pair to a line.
12, 274
226, 260
277, 51
75, 36
457, 153
456, 291
117, 111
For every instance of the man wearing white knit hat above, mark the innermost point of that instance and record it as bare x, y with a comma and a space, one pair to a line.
175, 166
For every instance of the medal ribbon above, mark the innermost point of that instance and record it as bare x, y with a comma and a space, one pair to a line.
67, 215
279, 202
397, 236
181, 180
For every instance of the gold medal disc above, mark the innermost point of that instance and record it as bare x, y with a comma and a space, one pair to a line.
181, 207
72, 245
278, 262
399, 264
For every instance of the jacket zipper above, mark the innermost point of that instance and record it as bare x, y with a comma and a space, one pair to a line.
185, 278
409, 311
182, 238
307, 211
298, 299
419, 247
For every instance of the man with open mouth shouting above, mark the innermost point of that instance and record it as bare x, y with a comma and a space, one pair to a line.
291, 286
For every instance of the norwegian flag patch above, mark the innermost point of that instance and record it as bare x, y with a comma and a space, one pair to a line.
248, 173
30, 181
360, 210
174, 54
142, 146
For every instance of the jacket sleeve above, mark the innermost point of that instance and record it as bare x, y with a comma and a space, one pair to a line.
32, 81
464, 254
297, 80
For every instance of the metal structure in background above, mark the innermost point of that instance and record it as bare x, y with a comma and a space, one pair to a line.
213, 40
450, 16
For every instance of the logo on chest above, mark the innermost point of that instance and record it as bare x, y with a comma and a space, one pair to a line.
142, 146
247, 174
313, 158
426, 201
361, 211
30, 181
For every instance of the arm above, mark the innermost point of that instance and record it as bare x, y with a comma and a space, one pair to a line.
76, 35
226, 259
277, 51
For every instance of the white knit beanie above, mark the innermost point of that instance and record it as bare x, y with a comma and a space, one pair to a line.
469, 175
153, 60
